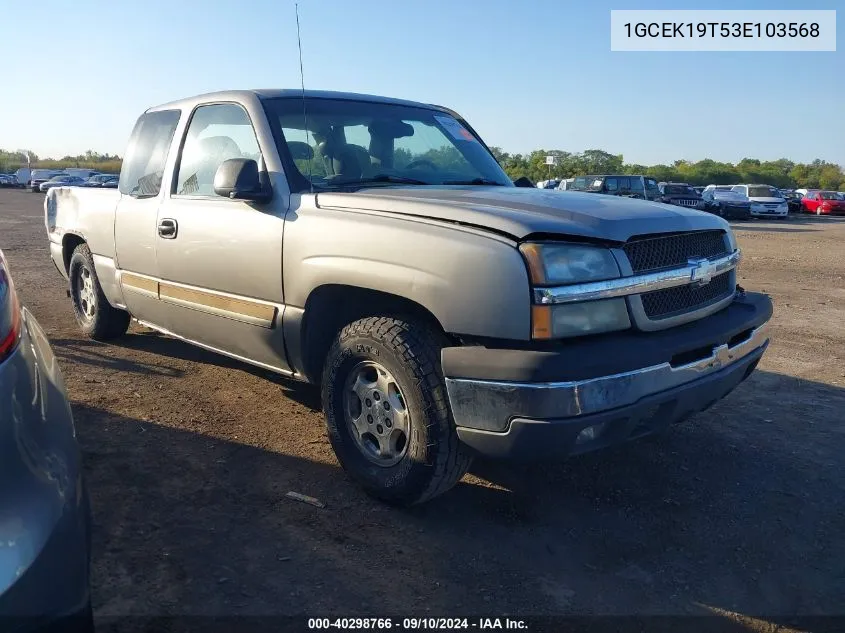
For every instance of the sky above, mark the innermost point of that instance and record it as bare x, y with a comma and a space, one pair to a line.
526, 75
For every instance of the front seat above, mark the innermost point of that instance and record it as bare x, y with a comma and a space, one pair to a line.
349, 162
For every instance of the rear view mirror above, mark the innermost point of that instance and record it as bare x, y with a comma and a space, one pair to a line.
239, 179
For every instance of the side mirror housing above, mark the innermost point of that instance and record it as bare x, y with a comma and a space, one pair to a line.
240, 179
523, 182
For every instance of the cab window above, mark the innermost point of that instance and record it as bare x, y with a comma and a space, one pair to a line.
215, 134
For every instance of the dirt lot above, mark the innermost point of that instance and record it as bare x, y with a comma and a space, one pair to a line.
189, 455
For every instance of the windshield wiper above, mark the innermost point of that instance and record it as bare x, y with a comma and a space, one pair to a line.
474, 181
388, 178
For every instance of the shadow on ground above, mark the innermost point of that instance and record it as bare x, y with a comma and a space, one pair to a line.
97, 354
696, 519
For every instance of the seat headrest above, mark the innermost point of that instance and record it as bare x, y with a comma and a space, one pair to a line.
300, 150
220, 146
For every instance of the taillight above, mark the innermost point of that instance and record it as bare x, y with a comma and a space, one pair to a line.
10, 314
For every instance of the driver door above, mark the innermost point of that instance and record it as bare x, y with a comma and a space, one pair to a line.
220, 260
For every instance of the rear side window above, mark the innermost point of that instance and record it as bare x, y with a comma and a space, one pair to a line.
611, 184
143, 166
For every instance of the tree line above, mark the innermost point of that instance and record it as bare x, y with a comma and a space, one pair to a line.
781, 173
10, 161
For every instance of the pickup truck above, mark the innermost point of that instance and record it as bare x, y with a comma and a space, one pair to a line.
374, 247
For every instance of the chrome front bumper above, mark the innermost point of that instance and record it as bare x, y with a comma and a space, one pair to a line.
486, 409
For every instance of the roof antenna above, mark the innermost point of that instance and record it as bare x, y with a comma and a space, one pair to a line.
302, 83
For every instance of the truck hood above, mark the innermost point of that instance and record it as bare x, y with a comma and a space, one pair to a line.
522, 211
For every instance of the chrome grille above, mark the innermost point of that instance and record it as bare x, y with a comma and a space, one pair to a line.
686, 202
663, 304
670, 251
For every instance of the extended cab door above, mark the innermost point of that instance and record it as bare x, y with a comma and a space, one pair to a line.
220, 260
137, 212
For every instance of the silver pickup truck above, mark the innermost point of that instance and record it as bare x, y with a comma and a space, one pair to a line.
374, 247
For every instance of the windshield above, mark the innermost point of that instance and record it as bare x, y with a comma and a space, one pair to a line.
763, 192
59, 178
682, 190
351, 143
725, 188
828, 195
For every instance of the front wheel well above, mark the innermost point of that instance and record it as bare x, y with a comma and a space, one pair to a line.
329, 308
69, 243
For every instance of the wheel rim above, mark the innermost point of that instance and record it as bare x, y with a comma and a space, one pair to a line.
376, 413
86, 298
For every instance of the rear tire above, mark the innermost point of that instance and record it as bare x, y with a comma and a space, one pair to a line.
94, 314
395, 363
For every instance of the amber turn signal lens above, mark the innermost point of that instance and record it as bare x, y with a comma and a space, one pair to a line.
541, 322
534, 259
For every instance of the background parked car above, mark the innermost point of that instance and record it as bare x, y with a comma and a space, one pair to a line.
38, 176
766, 201
727, 203
680, 194
8, 180
97, 180
111, 183
61, 181
793, 201
81, 172
565, 184
823, 203
627, 185
44, 558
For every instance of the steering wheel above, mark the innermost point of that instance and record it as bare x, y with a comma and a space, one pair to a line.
421, 162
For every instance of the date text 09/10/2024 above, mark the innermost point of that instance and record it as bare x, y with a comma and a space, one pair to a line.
417, 624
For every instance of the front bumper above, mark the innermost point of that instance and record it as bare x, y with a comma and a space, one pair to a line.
769, 213
44, 512
735, 212
601, 390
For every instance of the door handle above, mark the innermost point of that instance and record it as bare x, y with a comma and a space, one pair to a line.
167, 228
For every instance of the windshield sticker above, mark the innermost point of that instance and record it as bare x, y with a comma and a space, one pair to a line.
597, 183
458, 131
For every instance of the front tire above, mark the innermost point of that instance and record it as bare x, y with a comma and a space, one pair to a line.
94, 314
387, 411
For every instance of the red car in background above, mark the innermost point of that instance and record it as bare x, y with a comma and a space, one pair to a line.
823, 203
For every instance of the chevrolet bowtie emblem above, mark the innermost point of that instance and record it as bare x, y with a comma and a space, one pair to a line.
702, 271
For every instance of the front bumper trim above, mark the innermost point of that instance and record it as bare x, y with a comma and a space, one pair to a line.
491, 405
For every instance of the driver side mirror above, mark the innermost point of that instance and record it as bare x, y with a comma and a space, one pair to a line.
524, 181
239, 179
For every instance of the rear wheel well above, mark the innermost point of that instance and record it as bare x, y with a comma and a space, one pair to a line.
329, 308
69, 243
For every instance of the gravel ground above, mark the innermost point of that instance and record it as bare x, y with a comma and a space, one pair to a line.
738, 512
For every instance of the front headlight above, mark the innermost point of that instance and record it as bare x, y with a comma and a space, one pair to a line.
731, 238
568, 263
565, 264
